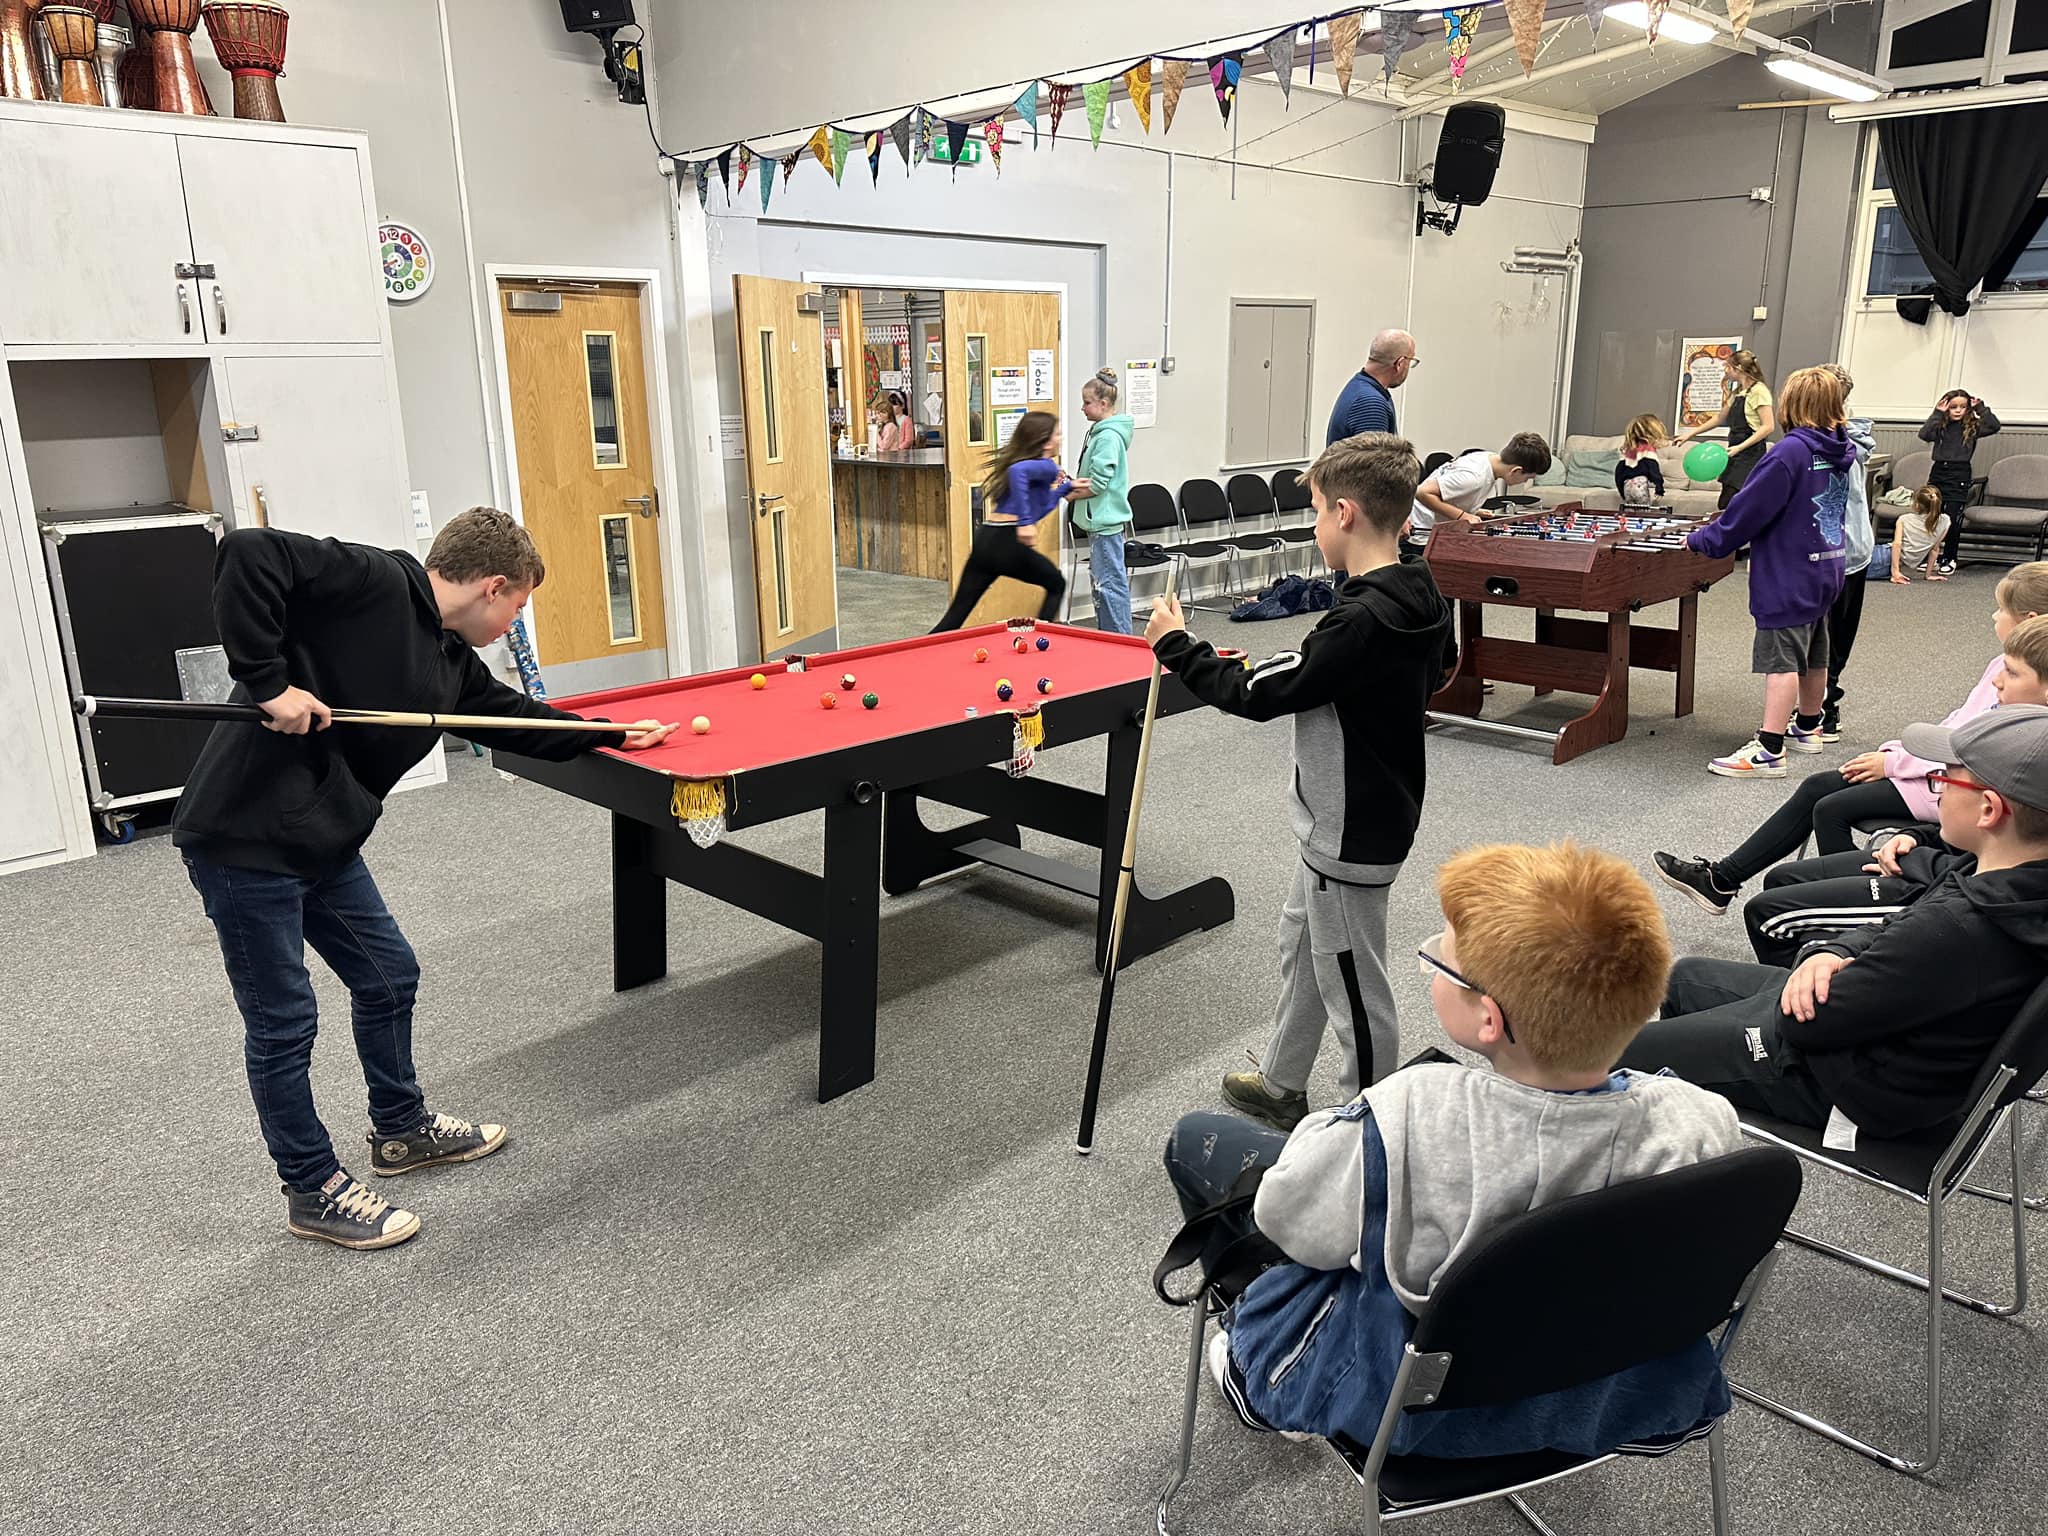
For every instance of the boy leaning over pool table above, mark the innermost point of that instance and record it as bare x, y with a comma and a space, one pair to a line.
273, 819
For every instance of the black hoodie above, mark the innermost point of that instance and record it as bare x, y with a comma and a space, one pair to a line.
1357, 689
1909, 1023
359, 629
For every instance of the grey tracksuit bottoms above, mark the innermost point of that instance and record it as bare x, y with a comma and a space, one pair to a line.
1333, 976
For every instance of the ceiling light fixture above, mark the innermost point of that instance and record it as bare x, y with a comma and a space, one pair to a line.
1820, 78
1678, 29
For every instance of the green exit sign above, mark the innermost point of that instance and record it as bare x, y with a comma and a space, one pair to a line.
970, 149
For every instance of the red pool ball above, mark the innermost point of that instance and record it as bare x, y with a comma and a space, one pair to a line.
980, 654
828, 700
1019, 645
846, 682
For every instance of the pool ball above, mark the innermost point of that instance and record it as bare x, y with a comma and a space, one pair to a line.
1019, 645
846, 682
1045, 685
972, 712
701, 725
828, 700
1003, 692
1044, 644
758, 681
980, 653
870, 700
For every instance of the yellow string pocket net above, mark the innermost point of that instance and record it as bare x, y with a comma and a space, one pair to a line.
698, 806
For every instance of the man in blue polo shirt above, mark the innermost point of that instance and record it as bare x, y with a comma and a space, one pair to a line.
1367, 403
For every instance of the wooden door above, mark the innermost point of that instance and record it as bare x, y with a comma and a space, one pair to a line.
986, 333
324, 458
789, 471
285, 229
580, 436
92, 232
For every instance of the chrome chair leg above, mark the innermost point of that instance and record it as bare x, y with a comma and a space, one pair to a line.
1520, 1506
1187, 1419
1717, 1478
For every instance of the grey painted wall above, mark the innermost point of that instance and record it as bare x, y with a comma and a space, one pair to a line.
1676, 248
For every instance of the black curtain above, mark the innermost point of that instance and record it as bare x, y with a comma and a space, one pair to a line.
1966, 183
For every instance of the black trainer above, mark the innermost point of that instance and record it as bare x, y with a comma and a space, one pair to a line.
348, 1214
443, 1139
1696, 877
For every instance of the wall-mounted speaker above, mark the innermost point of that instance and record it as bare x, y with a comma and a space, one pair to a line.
597, 15
1468, 152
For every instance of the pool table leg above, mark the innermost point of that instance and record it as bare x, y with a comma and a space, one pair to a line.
853, 912
639, 907
1150, 922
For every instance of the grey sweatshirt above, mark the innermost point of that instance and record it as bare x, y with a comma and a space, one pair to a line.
1468, 1149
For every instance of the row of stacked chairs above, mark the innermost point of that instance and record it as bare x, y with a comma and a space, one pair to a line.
1211, 524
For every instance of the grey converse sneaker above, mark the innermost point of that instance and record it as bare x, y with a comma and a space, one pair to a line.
1251, 1093
347, 1213
443, 1139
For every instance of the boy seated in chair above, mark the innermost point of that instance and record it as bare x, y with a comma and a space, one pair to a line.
1549, 962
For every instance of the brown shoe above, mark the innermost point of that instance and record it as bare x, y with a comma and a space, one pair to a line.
1249, 1093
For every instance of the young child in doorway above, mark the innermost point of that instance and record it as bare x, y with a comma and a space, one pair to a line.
1639, 477
1917, 537
1357, 689
1791, 512
1959, 419
1549, 961
1102, 507
898, 433
1024, 485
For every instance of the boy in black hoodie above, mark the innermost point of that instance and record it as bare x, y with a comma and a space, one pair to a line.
273, 818
1357, 689
1886, 1027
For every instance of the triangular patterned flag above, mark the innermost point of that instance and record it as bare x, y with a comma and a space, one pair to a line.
921, 135
1096, 94
821, 145
956, 141
1738, 15
1280, 54
992, 135
725, 171
1458, 29
1596, 11
789, 166
1026, 107
1056, 98
874, 148
1173, 74
900, 132
701, 174
746, 159
1657, 10
842, 141
1397, 33
1138, 85
768, 184
1525, 20
1223, 75
1344, 45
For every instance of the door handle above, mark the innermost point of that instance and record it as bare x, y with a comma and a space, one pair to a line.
220, 308
262, 506
761, 499
644, 505
185, 308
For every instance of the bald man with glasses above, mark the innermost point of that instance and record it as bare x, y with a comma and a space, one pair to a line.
1367, 403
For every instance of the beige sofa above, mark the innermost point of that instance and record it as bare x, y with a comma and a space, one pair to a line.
1586, 458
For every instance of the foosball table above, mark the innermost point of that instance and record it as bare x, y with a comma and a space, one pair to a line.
1608, 563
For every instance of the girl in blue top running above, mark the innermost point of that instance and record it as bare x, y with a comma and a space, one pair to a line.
1023, 486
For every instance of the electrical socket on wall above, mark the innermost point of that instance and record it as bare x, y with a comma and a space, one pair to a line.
1761, 312
1762, 195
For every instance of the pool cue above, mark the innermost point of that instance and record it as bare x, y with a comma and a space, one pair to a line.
94, 707
1084, 1140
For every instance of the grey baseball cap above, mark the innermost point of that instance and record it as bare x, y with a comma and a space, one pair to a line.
2005, 748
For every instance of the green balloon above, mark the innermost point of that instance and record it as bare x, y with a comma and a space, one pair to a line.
1705, 461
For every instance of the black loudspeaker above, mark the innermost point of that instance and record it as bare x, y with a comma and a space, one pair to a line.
597, 15
1467, 152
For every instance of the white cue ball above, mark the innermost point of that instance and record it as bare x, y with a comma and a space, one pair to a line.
701, 725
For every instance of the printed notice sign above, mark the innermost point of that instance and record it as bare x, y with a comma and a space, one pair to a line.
1141, 391
1006, 386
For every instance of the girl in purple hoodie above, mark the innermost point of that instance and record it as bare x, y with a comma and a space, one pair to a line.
1790, 512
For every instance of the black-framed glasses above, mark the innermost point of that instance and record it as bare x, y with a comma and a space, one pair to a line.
1432, 963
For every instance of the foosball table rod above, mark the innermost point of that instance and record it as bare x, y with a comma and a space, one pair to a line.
1437, 717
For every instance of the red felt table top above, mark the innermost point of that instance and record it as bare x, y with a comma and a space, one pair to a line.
923, 682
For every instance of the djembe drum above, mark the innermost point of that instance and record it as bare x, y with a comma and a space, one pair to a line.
171, 23
74, 34
249, 42
21, 74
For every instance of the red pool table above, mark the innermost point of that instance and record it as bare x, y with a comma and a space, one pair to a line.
775, 751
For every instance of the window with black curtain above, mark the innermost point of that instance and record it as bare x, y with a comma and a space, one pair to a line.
1967, 185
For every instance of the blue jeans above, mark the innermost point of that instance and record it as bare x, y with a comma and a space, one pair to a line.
265, 921
1111, 582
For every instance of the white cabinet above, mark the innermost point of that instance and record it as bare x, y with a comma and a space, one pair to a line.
92, 232
324, 459
283, 228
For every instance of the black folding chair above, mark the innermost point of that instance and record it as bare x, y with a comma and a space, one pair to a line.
1139, 555
1210, 546
1928, 1169
1600, 1283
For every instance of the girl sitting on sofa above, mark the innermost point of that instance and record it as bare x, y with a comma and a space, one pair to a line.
1639, 477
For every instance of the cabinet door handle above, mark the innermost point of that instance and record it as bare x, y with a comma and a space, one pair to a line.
220, 308
185, 308
262, 506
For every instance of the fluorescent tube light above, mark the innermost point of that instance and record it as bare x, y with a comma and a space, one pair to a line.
1823, 80
1679, 29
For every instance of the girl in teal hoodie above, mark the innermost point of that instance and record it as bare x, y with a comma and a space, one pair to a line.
1102, 507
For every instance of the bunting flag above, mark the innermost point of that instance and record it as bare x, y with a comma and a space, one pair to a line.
1096, 94
1026, 108
768, 182
746, 159
1344, 45
821, 146
725, 171
789, 166
992, 135
1459, 26
842, 141
1223, 76
1397, 34
922, 135
1279, 49
1173, 74
874, 148
1738, 15
900, 132
956, 140
1657, 10
1056, 96
1596, 10
1525, 20
704, 185
1138, 85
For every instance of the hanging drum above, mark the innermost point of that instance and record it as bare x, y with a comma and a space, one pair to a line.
21, 74
171, 24
74, 34
113, 51
249, 42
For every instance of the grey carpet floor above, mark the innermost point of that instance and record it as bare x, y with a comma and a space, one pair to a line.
686, 1297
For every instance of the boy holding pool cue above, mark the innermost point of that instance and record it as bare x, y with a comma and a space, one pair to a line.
272, 822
